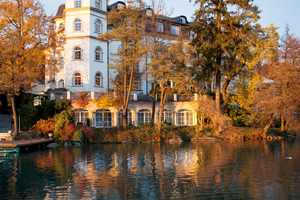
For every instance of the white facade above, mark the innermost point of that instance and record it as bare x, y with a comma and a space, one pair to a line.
84, 64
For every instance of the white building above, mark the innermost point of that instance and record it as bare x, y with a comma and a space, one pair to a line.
84, 65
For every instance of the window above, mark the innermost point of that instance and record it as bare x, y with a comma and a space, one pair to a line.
98, 26
61, 25
137, 84
185, 117
167, 116
182, 20
98, 4
77, 53
103, 117
174, 30
98, 54
77, 3
80, 116
77, 25
120, 6
149, 12
144, 117
129, 117
62, 63
160, 27
77, 79
98, 79
61, 83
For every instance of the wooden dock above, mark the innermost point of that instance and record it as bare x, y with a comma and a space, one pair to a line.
25, 143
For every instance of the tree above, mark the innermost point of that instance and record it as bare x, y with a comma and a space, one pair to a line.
128, 29
175, 68
82, 100
25, 33
278, 93
248, 80
104, 101
156, 41
223, 29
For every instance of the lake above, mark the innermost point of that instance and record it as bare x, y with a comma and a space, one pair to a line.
207, 170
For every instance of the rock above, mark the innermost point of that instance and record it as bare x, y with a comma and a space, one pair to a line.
175, 141
76, 144
67, 144
53, 145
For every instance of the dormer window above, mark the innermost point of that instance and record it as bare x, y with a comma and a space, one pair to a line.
182, 20
120, 6
149, 13
98, 4
174, 30
77, 3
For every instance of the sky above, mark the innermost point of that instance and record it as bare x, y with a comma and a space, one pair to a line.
276, 12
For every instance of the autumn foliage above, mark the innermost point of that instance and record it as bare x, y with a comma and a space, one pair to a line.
44, 126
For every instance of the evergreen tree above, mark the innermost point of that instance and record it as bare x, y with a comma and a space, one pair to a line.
223, 29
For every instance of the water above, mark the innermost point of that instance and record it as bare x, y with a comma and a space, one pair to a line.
211, 170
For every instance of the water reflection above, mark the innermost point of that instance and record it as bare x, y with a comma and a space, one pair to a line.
225, 170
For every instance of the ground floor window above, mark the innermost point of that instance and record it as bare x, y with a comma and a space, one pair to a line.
167, 116
80, 116
185, 117
144, 117
103, 116
129, 118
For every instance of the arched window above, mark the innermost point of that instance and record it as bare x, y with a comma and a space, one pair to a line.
80, 116
61, 84
185, 117
77, 3
98, 4
103, 117
77, 79
98, 79
98, 54
77, 53
62, 63
167, 116
129, 117
98, 26
77, 25
144, 117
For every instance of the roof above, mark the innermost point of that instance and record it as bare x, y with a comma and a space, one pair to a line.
60, 11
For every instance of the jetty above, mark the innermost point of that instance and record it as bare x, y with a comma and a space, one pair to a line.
25, 144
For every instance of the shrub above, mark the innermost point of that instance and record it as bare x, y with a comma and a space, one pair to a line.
62, 120
61, 105
88, 133
256, 120
28, 116
78, 136
44, 126
66, 133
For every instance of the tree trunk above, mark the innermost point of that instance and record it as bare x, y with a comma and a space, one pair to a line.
153, 104
218, 95
161, 108
16, 124
282, 123
273, 116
